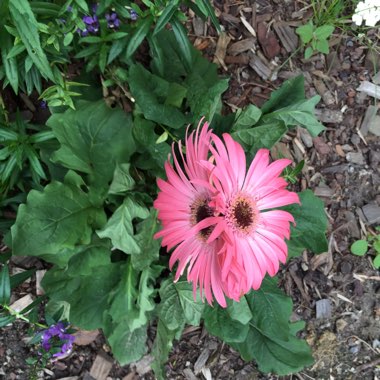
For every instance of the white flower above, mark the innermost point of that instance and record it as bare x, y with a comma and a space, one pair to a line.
367, 11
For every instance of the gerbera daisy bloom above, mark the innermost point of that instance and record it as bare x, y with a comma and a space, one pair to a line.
187, 219
252, 233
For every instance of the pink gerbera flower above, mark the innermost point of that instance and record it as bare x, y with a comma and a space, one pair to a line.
252, 233
218, 216
187, 219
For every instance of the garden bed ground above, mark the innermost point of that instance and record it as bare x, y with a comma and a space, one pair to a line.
336, 293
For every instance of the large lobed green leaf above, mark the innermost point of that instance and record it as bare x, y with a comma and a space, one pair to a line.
231, 323
93, 138
119, 227
298, 113
54, 221
258, 327
271, 340
311, 225
177, 304
264, 136
87, 294
151, 93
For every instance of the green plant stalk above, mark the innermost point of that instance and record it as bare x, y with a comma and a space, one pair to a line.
22, 317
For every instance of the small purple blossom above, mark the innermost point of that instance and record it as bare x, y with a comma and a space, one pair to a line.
112, 21
134, 15
43, 104
56, 337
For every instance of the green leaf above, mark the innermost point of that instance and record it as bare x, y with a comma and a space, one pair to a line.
322, 46
270, 305
290, 92
115, 36
180, 34
87, 295
274, 350
208, 11
68, 39
89, 257
134, 297
306, 32
83, 4
177, 304
19, 278
16, 50
5, 286
376, 244
128, 346
163, 343
205, 88
149, 247
166, 16
231, 323
27, 27
162, 138
152, 156
376, 261
311, 225
94, 138
6, 320
54, 221
122, 180
359, 248
246, 118
142, 31
309, 52
323, 32
299, 113
273, 354
151, 93
10, 67
119, 227
116, 49
264, 136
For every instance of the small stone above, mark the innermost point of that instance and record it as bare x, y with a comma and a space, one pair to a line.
374, 127
340, 325
374, 158
355, 158
189, 374
321, 147
85, 337
201, 361
355, 139
323, 308
354, 349
101, 366
306, 137
143, 366
371, 213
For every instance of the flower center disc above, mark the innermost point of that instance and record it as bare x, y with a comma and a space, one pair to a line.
200, 210
242, 214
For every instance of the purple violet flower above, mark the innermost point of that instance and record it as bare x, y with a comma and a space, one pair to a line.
92, 25
56, 337
112, 21
134, 15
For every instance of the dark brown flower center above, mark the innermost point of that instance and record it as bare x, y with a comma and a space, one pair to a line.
241, 214
200, 210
